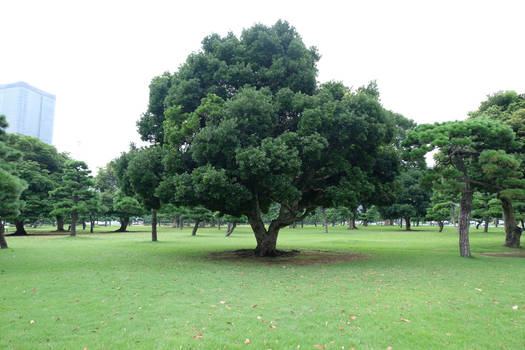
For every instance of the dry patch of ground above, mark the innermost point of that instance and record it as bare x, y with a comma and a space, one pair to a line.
291, 257
517, 254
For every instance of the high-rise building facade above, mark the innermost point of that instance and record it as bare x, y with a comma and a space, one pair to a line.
28, 110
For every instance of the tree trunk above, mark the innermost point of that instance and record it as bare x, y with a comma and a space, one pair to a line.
401, 223
3, 242
325, 223
231, 227
478, 223
453, 215
407, 224
266, 239
174, 224
194, 232
91, 226
365, 223
219, 223
302, 224
124, 221
496, 222
351, 223
512, 231
486, 226
465, 209
441, 224
60, 223
154, 225
74, 218
181, 223
20, 229
83, 225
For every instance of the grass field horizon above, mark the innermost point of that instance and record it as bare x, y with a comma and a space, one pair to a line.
381, 287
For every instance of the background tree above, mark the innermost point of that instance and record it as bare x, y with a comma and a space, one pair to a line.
11, 187
39, 166
125, 207
75, 190
198, 215
232, 222
145, 172
509, 108
466, 154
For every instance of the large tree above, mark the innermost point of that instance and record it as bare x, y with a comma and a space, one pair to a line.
40, 166
11, 186
468, 153
509, 108
247, 126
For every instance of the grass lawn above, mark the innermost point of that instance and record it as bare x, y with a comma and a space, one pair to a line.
383, 288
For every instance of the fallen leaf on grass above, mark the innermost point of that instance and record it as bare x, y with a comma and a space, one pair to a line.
353, 317
198, 336
404, 320
253, 306
75, 329
515, 307
32, 321
317, 346
247, 341
478, 289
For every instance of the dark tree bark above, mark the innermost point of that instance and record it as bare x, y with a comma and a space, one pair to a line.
175, 224
124, 221
91, 226
60, 223
74, 219
154, 225
325, 223
486, 226
195, 228
453, 215
83, 225
512, 230
465, 209
181, 223
401, 223
3, 242
407, 224
20, 229
231, 227
441, 224
478, 223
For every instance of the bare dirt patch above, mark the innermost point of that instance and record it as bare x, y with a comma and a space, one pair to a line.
518, 254
290, 257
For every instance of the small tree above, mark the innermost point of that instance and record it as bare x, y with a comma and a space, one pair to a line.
74, 192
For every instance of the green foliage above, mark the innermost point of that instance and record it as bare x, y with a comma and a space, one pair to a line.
144, 171
40, 166
11, 186
75, 190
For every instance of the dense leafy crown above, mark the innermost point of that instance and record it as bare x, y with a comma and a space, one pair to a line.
246, 127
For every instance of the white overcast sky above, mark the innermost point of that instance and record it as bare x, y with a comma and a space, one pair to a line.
433, 60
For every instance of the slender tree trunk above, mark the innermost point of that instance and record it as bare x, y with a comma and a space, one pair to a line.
401, 223
124, 221
512, 231
407, 224
496, 222
20, 229
453, 215
465, 209
325, 223
3, 242
441, 224
91, 226
351, 223
174, 224
181, 223
154, 225
219, 223
486, 226
194, 232
302, 224
231, 227
74, 218
60, 223
478, 223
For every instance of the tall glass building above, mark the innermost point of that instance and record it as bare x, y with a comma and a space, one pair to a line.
28, 110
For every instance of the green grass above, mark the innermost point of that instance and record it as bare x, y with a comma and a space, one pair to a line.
408, 290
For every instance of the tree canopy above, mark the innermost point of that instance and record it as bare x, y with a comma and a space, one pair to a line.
246, 126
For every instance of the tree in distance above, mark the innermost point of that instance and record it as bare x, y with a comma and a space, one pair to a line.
474, 153
247, 126
75, 190
11, 187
